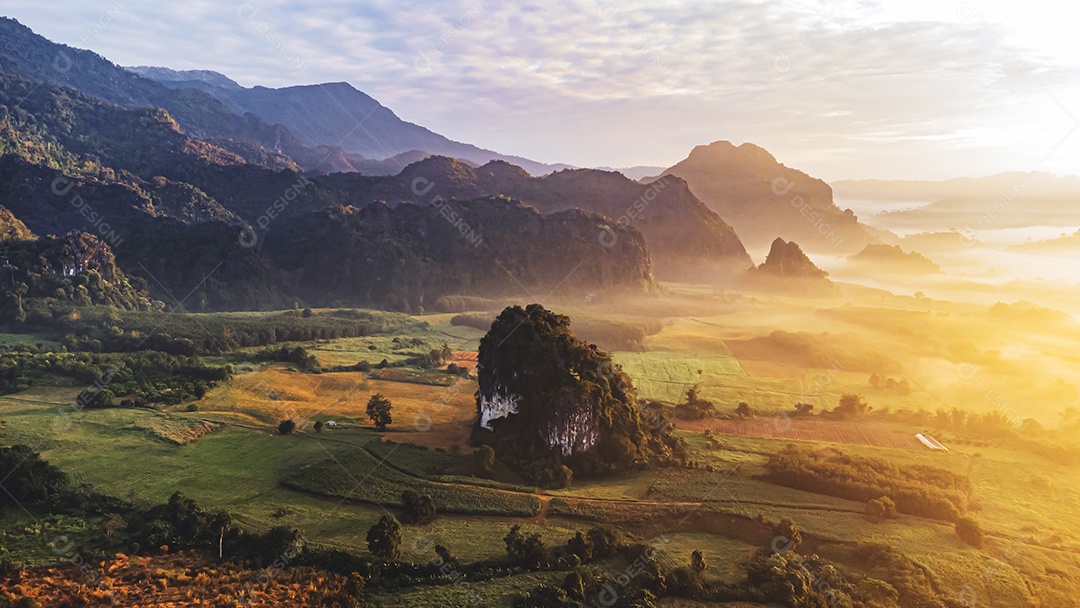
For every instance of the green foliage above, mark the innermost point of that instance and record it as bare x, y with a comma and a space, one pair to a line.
881, 508
851, 406
379, 411
743, 410
106, 329
29, 480
384, 538
417, 508
296, 354
573, 405
77, 269
788, 535
485, 460
384, 485
791, 579
694, 407
527, 549
916, 489
970, 531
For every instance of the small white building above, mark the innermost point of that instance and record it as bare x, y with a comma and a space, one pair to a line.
930, 442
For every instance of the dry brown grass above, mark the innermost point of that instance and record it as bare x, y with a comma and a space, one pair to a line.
435, 416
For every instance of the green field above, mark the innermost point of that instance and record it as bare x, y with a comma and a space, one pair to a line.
337, 483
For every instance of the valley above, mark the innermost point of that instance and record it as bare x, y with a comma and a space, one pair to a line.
278, 346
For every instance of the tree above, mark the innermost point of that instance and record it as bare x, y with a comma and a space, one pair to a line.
318, 426
969, 531
788, 536
564, 476
104, 398
286, 426
881, 508
878, 591
112, 525
444, 555
580, 546
378, 409
526, 549
384, 538
743, 410
851, 406
485, 459
419, 508
697, 562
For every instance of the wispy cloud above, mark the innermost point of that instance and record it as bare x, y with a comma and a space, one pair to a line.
840, 88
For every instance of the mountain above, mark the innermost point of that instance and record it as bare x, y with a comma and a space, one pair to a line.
893, 259
636, 173
31, 57
336, 115
12, 228
554, 407
761, 198
181, 214
687, 240
216, 79
787, 268
407, 256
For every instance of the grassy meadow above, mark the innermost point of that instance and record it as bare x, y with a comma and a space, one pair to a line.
766, 350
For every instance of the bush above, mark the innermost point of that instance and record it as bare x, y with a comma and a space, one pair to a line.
970, 531
418, 508
918, 490
384, 538
881, 508
851, 406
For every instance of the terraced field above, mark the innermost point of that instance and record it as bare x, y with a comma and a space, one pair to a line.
864, 433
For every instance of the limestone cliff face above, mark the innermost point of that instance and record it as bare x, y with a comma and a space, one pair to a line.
547, 399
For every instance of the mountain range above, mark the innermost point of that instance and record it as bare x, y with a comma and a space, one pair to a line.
249, 198
335, 116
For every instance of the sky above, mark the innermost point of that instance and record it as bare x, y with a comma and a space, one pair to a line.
905, 89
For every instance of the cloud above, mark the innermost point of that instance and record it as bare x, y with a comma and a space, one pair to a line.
839, 88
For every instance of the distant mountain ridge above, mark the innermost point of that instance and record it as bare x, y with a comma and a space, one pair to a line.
763, 199
336, 115
686, 239
160, 74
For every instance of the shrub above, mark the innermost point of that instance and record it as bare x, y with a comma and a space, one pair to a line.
881, 508
418, 508
384, 538
970, 531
